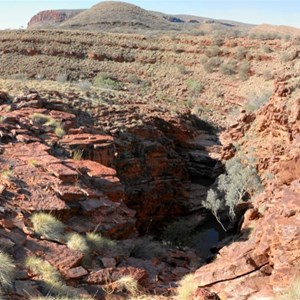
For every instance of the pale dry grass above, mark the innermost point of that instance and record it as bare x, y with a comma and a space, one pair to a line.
48, 226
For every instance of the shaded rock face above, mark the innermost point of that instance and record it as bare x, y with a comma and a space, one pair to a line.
157, 163
51, 18
265, 259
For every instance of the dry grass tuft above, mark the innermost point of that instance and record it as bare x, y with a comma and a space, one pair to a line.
128, 284
187, 287
48, 226
99, 242
7, 270
77, 242
52, 279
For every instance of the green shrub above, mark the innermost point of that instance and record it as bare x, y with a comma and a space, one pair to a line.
43, 119
243, 70
285, 57
236, 185
107, 82
59, 131
266, 49
229, 68
218, 41
212, 51
19, 76
48, 226
182, 69
194, 87
77, 154
267, 75
212, 64
84, 85
7, 270
47, 120
241, 53
257, 101
179, 233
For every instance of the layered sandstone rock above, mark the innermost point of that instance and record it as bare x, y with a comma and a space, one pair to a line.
50, 18
265, 258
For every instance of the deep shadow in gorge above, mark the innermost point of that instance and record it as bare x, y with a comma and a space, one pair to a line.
167, 167
167, 164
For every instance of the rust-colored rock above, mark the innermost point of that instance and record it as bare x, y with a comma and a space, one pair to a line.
60, 256
77, 272
99, 148
51, 18
113, 274
204, 294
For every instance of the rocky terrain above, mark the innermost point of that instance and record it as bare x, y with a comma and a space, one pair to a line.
109, 143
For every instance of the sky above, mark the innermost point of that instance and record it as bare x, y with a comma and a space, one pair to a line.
16, 14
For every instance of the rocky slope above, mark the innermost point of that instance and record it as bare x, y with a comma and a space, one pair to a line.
123, 181
265, 260
134, 157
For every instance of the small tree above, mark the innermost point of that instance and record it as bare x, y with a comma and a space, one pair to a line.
233, 187
214, 205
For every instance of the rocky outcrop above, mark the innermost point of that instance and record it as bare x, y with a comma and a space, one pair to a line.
157, 160
96, 178
265, 258
51, 18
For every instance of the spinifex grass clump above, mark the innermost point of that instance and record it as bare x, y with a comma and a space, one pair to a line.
77, 242
128, 284
48, 226
98, 242
50, 122
7, 270
52, 280
186, 287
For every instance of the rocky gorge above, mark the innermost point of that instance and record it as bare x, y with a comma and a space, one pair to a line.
148, 165
132, 179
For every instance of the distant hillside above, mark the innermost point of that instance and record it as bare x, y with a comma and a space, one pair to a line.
282, 30
51, 18
117, 15
121, 16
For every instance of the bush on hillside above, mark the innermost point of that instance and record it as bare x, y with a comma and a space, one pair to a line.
107, 82
236, 185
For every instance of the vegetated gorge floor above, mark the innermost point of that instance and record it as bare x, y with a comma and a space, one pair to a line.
118, 136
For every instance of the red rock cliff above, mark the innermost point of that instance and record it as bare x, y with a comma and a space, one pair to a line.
51, 18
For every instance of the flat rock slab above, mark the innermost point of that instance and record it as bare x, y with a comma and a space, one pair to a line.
62, 172
108, 275
91, 168
76, 272
99, 148
59, 256
84, 139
